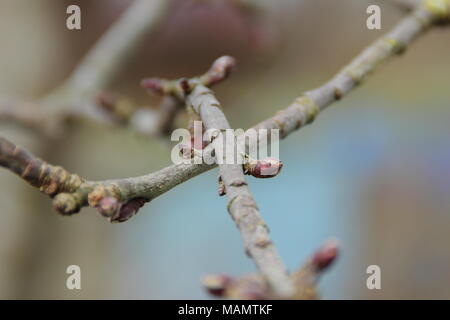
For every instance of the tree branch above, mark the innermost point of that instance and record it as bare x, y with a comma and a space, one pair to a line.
241, 204
70, 192
22, 113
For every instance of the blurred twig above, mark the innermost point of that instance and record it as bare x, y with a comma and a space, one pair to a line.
22, 113
105, 60
241, 204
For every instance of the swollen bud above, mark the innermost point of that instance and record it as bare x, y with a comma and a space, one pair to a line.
325, 256
264, 168
216, 284
66, 204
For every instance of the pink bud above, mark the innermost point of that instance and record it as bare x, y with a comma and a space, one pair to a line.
153, 84
128, 210
185, 85
108, 206
325, 256
106, 100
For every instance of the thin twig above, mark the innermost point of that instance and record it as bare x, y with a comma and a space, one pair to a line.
23, 113
305, 108
104, 61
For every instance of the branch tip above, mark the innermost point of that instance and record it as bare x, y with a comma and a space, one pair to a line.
326, 255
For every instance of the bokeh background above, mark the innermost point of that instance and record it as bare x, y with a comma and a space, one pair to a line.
373, 171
